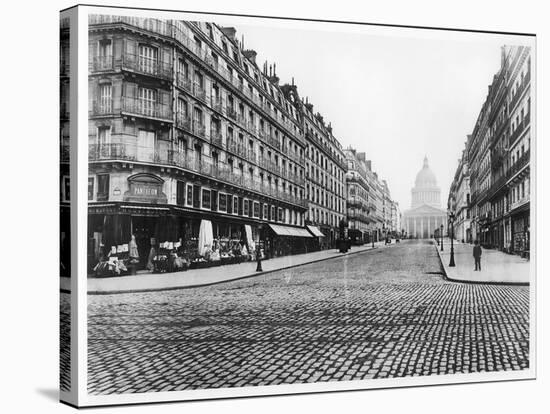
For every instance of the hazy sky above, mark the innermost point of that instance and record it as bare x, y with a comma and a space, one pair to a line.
396, 98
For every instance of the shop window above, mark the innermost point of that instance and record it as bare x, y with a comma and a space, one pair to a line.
180, 193
206, 198
102, 187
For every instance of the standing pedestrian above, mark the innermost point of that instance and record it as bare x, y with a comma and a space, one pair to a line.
477, 256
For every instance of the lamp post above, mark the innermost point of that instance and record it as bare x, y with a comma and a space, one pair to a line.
258, 251
372, 238
441, 236
452, 261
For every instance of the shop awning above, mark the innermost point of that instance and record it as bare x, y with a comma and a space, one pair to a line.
281, 230
315, 231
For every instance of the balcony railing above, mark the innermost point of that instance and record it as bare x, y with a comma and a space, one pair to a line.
146, 109
199, 129
216, 137
497, 185
199, 92
102, 108
231, 113
102, 63
184, 82
520, 163
217, 103
203, 165
520, 91
520, 128
157, 26
183, 121
145, 66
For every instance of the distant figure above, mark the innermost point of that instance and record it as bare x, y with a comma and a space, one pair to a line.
477, 255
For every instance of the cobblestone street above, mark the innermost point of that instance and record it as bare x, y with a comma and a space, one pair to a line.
377, 314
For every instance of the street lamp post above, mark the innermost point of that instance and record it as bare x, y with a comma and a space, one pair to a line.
372, 238
452, 261
258, 251
441, 236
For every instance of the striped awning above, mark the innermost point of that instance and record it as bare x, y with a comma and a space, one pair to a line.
315, 231
281, 230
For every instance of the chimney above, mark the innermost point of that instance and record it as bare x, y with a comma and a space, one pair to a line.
250, 54
229, 32
361, 156
273, 78
369, 165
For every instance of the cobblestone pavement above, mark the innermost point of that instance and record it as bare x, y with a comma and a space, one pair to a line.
384, 313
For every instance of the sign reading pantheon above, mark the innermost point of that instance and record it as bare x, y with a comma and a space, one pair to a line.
425, 214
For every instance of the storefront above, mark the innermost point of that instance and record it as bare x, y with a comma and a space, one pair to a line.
281, 240
521, 233
317, 242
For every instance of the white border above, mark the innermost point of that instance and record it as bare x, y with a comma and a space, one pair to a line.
86, 400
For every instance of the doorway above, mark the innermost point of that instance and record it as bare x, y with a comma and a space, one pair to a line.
144, 228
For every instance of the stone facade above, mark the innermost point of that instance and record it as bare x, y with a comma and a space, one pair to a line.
425, 217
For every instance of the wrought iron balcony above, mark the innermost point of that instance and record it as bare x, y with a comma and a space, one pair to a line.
145, 66
519, 91
199, 129
231, 113
216, 137
146, 109
183, 82
217, 104
102, 108
183, 121
102, 63
521, 163
202, 165
199, 92
520, 128
161, 27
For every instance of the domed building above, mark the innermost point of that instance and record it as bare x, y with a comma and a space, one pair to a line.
426, 214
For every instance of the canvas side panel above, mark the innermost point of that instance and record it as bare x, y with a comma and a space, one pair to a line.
67, 116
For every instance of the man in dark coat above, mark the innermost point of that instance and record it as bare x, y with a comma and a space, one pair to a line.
477, 255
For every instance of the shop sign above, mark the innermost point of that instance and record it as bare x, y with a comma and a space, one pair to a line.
145, 188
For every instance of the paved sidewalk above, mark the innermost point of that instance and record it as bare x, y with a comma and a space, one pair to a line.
496, 266
208, 276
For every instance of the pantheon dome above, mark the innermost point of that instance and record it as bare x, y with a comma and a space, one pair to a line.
425, 216
425, 190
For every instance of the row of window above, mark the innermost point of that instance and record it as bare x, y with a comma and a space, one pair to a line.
323, 217
196, 196
314, 152
233, 53
325, 199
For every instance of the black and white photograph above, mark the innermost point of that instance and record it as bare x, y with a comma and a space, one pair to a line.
279, 206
